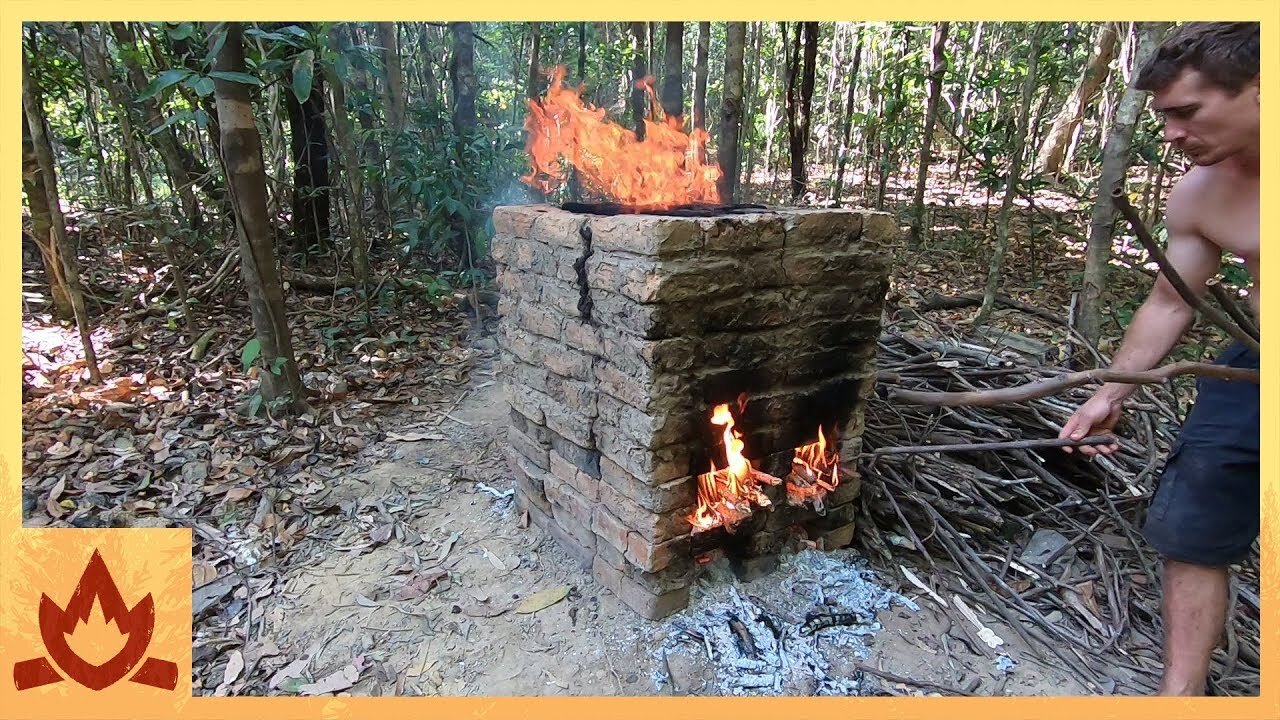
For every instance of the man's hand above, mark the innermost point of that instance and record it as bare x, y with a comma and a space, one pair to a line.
1097, 416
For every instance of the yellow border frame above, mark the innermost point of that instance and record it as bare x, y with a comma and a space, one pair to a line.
14, 12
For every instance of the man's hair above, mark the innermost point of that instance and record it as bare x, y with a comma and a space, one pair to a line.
1225, 53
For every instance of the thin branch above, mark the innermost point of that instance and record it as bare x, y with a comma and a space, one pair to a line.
993, 446
863, 667
1051, 386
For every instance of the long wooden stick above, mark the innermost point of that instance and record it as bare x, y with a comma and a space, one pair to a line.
1216, 316
992, 446
1051, 386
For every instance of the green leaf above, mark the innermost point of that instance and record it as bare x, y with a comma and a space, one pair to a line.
182, 31
218, 41
277, 365
273, 65
203, 86
250, 353
202, 119
172, 119
255, 404
342, 68
302, 75
236, 77
168, 78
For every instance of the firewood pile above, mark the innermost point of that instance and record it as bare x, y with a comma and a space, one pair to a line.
1048, 541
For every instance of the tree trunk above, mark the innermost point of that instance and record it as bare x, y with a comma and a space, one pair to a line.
393, 97
41, 223
96, 65
800, 104
1054, 148
962, 113
65, 260
888, 154
847, 130
182, 167
309, 147
1115, 162
673, 74
371, 151
653, 46
773, 116
582, 53
731, 110
393, 101
242, 157
700, 76
1015, 176
430, 87
532, 86
936, 71
463, 75
1158, 195
638, 74
346, 146
825, 149
751, 106
105, 184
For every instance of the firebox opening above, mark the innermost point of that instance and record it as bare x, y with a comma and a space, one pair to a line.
760, 454
773, 420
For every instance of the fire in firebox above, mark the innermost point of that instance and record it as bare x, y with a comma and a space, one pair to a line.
664, 170
815, 471
726, 496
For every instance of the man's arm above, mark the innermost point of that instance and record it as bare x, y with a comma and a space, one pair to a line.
1158, 325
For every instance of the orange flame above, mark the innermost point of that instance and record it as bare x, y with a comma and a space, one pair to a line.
725, 495
815, 471
664, 170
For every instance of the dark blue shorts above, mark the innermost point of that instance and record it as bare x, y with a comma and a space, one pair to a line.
1206, 505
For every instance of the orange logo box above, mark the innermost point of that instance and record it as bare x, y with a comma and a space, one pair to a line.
96, 615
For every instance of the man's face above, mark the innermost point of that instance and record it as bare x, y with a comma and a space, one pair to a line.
1205, 122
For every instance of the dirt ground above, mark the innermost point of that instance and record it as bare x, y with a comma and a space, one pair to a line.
443, 601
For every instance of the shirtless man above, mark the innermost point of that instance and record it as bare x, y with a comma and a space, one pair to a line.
1204, 514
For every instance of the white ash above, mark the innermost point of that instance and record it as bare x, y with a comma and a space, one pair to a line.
768, 638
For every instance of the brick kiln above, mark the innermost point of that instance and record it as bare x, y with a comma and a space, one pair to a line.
680, 386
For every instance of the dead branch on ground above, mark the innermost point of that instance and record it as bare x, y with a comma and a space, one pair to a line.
1055, 385
1090, 602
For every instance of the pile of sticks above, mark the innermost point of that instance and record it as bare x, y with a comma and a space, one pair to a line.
970, 509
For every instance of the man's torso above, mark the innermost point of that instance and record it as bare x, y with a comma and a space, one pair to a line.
1226, 212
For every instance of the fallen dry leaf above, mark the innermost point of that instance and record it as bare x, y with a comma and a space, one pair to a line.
235, 666
294, 669
543, 599
382, 533
203, 573
494, 560
237, 494
420, 584
340, 680
51, 504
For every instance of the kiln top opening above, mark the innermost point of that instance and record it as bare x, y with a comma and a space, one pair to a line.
685, 210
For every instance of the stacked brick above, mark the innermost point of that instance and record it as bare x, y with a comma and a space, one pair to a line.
616, 331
